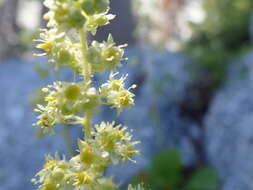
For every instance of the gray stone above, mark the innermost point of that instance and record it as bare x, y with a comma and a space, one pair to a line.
228, 127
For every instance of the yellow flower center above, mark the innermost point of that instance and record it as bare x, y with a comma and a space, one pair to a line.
82, 178
86, 155
46, 46
50, 163
48, 185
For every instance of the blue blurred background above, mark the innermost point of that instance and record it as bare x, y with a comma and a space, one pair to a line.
193, 63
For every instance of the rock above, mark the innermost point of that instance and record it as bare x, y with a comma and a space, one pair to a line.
228, 127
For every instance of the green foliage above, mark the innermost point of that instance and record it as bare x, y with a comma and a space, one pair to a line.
227, 21
204, 178
168, 173
223, 35
226, 24
165, 171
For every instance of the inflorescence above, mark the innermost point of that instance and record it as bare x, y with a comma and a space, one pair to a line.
75, 103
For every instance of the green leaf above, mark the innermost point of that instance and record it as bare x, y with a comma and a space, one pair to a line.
203, 179
166, 169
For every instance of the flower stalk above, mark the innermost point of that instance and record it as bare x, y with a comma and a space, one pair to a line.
83, 40
87, 125
75, 103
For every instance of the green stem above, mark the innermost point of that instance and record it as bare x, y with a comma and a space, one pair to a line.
84, 51
87, 122
87, 125
68, 140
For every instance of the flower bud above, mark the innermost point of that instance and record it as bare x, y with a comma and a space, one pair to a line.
75, 19
58, 174
86, 155
49, 185
64, 57
72, 92
91, 7
66, 109
91, 103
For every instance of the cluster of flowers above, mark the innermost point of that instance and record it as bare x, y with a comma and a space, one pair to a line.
109, 144
65, 101
75, 103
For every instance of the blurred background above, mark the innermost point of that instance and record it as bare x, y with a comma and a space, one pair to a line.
193, 63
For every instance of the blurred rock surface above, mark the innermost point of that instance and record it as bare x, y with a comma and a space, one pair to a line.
228, 127
22, 154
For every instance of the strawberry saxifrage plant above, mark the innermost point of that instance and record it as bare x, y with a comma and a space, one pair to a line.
65, 43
